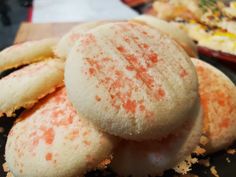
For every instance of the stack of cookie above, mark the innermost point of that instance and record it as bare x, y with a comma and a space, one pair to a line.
131, 99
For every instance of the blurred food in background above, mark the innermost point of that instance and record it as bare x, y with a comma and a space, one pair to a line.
210, 23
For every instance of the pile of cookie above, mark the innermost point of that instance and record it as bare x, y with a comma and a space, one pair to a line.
123, 94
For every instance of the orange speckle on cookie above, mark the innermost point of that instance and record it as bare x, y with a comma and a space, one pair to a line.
145, 46
73, 135
160, 93
153, 57
200, 69
57, 120
86, 133
57, 113
98, 98
94, 64
86, 142
90, 38
144, 32
183, 73
130, 106
131, 59
129, 68
33, 134
92, 71
49, 135
225, 123
73, 37
142, 107
121, 49
48, 156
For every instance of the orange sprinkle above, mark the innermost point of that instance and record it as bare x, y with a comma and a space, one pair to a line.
72, 135
160, 93
145, 46
144, 32
153, 57
221, 102
48, 156
200, 69
132, 59
57, 113
86, 133
183, 73
90, 38
75, 36
121, 49
92, 71
129, 68
225, 123
86, 142
98, 98
130, 106
49, 136
141, 107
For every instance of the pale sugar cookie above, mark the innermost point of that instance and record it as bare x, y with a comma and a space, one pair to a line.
26, 53
177, 34
141, 159
69, 39
131, 80
51, 140
24, 87
218, 99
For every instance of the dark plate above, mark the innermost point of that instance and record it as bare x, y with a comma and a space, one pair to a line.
224, 168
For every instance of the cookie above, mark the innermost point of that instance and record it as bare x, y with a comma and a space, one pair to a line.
26, 53
218, 99
152, 158
52, 140
67, 41
131, 81
177, 34
24, 87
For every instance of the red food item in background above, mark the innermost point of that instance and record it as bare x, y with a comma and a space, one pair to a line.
133, 3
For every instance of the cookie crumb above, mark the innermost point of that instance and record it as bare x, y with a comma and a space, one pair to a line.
204, 162
204, 140
104, 164
214, 171
185, 166
9, 174
199, 150
5, 167
231, 151
228, 160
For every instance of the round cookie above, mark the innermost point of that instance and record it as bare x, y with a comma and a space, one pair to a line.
131, 80
26, 53
24, 87
152, 158
67, 41
177, 34
218, 99
52, 140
